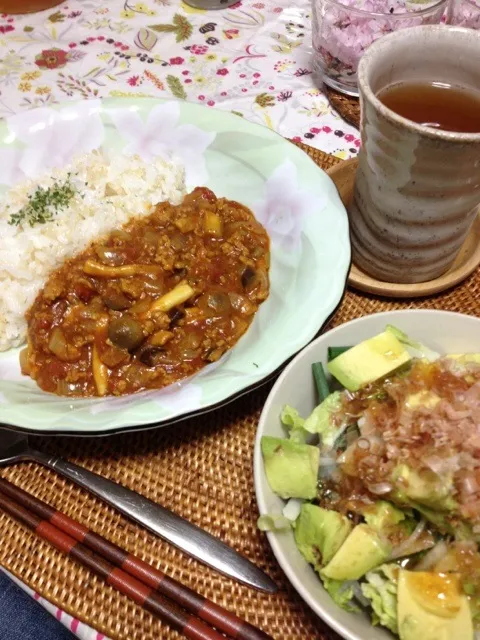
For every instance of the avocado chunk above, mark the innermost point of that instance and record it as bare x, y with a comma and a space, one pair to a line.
369, 361
363, 550
427, 488
291, 467
431, 606
319, 533
382, 515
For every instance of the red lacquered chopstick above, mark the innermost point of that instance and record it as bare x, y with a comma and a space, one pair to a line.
202, 607
165, 609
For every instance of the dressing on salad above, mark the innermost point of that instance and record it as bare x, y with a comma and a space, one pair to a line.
383, 485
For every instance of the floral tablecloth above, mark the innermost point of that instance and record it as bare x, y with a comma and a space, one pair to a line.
253, 58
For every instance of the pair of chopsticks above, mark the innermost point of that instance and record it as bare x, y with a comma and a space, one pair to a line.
182, 608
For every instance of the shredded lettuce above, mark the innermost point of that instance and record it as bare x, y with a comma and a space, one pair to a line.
341, 592
291, 418
294, 423
380, 588
419, 350
320, 420
273, 522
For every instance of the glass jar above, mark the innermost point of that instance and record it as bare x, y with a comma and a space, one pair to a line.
208, 5
464, 13
343, 30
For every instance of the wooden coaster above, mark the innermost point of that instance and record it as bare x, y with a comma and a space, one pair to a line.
346, 106
465, 263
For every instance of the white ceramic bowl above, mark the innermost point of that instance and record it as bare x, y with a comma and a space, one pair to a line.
442, 331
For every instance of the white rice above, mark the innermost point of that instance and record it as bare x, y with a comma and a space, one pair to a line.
29, 254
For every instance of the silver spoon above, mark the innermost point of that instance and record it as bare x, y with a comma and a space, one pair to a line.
186, 536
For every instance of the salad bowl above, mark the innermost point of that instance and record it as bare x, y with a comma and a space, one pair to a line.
441, 332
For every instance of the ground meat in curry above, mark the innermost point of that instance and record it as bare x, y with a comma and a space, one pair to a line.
152, 303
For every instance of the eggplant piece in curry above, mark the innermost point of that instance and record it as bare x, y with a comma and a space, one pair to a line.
151, 303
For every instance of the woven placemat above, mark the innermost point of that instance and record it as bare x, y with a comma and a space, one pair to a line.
346, 106
202, 469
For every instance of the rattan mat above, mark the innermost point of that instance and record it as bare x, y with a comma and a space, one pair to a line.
202, 469
346, 106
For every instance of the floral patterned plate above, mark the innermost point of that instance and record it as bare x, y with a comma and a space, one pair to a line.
296, 202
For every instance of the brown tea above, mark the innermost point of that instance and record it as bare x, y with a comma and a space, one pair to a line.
435, 104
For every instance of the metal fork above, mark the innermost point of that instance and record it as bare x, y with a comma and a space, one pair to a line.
199, 544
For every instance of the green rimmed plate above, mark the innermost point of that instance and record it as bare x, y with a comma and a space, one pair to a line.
294, 199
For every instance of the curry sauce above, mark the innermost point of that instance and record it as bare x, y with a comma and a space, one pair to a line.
152, 303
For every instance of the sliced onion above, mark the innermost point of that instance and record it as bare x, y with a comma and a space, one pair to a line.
65, 388
190, 354
469, 485
151, 237
435, 463
219, 302
370, 461
363, 443
372, 443
430, 559
241, 304
348, 454
258, 252
190, 346
24, 361
121, 235
58, 346
243, 225
142, 305
154, 287
273, 522
192, 340
377, 444
109, 256
380, 488
262, 280
327, 461
178, 241
291, 510
403, 548
328, 469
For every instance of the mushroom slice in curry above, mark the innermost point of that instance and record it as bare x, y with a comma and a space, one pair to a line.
151, 303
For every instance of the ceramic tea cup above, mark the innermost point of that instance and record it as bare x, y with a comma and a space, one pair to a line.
417, 189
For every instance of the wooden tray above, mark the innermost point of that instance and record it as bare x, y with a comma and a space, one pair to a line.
202, 469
